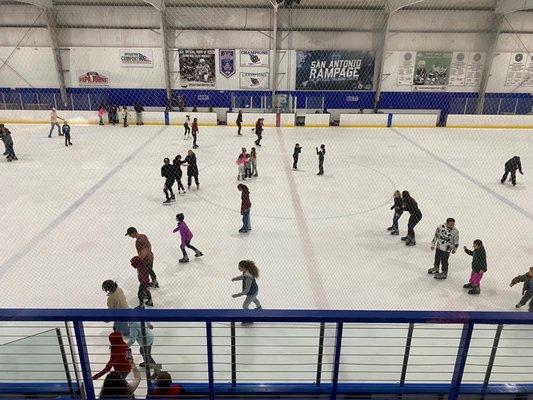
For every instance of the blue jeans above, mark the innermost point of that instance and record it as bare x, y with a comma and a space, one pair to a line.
9, 150
54, 124
395, 220
246, 220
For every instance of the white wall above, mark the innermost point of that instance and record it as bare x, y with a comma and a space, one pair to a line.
27, 67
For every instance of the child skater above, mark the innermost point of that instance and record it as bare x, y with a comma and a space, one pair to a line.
144, 282
125, 116
241, 163
248, 166
179, 173
194, 133
321, 153
187, 133
527, 289
253, 157
295, 155
479, 266
398, 211
186, 237
250, 273
66, 133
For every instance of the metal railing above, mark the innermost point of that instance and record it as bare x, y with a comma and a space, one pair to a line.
320, 353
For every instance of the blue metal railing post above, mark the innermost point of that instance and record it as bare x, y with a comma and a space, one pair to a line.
460, 361
83, 354
336, 362
210, 368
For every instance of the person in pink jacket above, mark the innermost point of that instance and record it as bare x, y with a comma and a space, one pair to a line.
241, 163
101, 113
186, 237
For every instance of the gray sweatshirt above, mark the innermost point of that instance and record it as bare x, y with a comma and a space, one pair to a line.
249, 285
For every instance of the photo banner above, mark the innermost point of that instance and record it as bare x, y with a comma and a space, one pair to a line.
255, 58
432, 69
334, 70
197, 67
133, 58
226, 62
254, 80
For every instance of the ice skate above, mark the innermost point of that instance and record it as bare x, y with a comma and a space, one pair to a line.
167, 201
395, 232
434, 270
172, 198
441, 276
199, 254
149, 303
154, 284
410, 242
140, 307
518, 305
184, 260
390, 228
405, 238
467, 286
474, 290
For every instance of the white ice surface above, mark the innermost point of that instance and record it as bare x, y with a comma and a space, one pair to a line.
320, 242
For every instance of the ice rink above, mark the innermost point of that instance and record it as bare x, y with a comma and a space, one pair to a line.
320, 242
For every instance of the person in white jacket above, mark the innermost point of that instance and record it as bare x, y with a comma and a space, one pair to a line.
446, 242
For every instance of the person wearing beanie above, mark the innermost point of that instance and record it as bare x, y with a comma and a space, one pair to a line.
186, 237
143, 276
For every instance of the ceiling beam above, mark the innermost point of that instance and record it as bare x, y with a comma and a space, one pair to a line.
509, 6
46, 4
157, 4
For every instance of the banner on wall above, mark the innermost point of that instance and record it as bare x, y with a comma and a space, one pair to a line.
255, 58
432, 69
406, 69
93, 78
528, 74
334, 70
516, 69
226, 62
458, 69
132, 58
197, 67
254, 80
474, 69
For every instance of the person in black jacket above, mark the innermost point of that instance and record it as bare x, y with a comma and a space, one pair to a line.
398, 211
239, 122
410, 205
479, 266
259, 131
510, 168
168, 171
527, 288
66, 133
321, 153
177, 165
112, 114
295, 156
192, 169
139, 113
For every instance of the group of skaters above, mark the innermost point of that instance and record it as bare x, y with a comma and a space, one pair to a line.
172, 173
446, 241
114, 113
61, 130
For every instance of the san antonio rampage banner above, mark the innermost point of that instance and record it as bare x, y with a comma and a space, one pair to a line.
334, 70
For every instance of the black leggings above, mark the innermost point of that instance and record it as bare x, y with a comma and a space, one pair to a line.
180, 185
414, 219
143, 293
189, 180
168, 188
190, 246
441, 258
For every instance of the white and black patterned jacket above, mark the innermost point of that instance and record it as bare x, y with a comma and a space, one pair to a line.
446, 239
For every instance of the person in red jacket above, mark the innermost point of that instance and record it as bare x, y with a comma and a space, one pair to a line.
246, 204
118, 359
194, 132
143, 275
164, 388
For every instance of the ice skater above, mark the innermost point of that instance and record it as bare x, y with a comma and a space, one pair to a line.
295, 156
195, 132
479, 266
248, 166
250, 274
253, 159
239, 122
241, 164
139, 109
168, 171
527, 289
246, 204
192, 169
411, 206
101, 113
53, 122
445, 242
187, 128
177, 169
144, 251
510, 168
321, 153
125, 116
5, 136
144, 282
66, 133
186, 237
398, 211
112, 114
259, 131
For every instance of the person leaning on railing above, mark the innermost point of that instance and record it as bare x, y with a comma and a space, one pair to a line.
116, 386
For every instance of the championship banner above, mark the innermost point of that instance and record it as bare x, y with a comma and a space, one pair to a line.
93, 78
458, 69
255, 58
254, 80
406, 69
432, 69
334, 70
474, 69
226, 62
197, 68
528, 73
133, 58
516, 69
